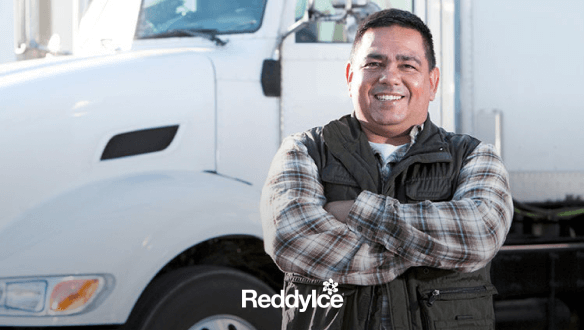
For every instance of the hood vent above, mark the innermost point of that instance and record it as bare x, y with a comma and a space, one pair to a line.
139, 142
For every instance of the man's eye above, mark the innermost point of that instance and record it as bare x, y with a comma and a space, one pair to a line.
373, 64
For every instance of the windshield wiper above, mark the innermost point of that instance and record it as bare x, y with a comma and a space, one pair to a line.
210, 34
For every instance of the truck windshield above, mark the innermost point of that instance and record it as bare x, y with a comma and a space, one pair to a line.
159, 17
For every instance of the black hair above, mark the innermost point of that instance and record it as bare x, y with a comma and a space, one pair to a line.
405, 19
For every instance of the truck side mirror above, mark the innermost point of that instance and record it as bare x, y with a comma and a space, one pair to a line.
349, 3
354, 10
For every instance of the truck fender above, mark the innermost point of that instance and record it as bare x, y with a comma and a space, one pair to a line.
128, 227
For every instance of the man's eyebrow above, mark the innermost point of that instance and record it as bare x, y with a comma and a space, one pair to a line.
376, 56
406, 58
399, 57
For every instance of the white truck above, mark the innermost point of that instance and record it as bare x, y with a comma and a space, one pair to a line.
131, 171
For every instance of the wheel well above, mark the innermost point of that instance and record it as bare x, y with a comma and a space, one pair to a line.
245, 253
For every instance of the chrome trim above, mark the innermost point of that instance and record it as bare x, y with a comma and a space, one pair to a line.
533, 247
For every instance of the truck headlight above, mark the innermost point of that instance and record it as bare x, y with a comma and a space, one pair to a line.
26, 296
59, 295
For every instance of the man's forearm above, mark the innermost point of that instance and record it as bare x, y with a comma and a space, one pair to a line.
462, 234
302, 237
339, 209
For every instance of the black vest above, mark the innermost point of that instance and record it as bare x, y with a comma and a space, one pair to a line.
423, 297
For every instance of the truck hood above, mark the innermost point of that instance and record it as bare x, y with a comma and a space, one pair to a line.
58, 115
54, 67
23, 66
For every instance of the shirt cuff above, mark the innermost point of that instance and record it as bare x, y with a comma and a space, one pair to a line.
375, 217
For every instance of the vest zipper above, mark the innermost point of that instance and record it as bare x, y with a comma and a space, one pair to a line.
373, 294
434, 295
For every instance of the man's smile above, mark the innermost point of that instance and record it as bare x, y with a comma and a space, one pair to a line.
388, 97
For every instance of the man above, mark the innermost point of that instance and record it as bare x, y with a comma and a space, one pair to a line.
404, 215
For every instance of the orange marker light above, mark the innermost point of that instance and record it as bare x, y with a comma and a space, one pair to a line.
73, 294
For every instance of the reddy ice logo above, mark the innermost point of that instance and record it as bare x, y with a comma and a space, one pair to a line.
330, 286
295, 300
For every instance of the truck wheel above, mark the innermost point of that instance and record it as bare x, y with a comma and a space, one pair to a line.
203, 297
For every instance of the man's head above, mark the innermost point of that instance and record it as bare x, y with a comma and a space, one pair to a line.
391, 17
392, 75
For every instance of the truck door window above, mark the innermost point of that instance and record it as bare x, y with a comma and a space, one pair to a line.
160, 17
339, 32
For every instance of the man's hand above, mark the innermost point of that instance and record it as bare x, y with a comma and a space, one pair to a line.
339, 209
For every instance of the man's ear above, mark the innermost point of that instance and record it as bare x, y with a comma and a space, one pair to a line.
434, 80
349, 76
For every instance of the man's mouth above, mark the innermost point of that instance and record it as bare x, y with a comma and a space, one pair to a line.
386, 97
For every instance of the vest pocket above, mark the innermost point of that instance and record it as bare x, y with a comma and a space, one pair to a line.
356, 311
337, 174
338, 183
457, 308
434, 189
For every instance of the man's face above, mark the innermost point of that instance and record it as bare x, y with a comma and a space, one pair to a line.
390, 83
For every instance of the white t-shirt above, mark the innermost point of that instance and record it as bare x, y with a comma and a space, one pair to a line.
384, 150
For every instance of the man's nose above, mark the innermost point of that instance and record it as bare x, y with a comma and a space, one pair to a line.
390, 75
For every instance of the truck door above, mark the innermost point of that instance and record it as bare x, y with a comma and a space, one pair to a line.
314, 89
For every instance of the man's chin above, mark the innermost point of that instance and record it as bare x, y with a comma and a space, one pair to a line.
389, 121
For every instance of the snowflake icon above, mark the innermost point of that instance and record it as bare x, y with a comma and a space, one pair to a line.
330, 286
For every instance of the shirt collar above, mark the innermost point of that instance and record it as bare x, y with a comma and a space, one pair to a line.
414, 133
400, 151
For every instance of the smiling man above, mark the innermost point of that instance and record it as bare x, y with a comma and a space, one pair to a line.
404, 215
391, 83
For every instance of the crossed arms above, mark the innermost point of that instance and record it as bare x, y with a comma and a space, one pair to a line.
374, 239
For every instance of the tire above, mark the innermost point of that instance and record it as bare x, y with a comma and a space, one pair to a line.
203, 297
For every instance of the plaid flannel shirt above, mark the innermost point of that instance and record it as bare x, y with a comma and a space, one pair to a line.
382, 238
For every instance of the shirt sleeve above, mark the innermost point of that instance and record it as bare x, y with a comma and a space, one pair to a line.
303, 238
462, 234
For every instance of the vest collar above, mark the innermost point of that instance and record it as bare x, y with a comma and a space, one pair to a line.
345, 136
346, 141
431, 145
